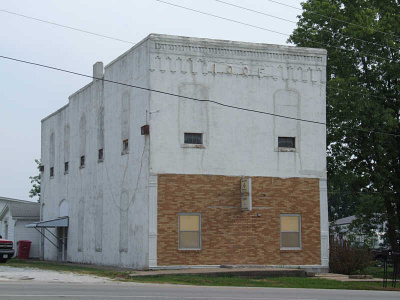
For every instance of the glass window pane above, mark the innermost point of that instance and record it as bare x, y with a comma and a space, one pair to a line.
189, 223
289, 223
290, 239
286, 142
194, 138
189, 240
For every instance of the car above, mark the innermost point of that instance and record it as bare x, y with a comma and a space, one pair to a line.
6, 250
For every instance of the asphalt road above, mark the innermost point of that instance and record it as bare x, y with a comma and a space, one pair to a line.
36, 290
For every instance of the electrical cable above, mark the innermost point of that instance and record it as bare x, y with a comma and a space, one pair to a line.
294, 22
270, 30
350, 23
65, 26
120, 40
191, 98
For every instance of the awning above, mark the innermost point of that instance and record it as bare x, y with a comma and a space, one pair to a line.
59, 222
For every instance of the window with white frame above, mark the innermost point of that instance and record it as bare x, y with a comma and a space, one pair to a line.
189, 231
290, 231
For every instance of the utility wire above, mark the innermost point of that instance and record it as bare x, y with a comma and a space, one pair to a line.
325, 16
191, 98
294, 22
270, 30
65, 26
120, 40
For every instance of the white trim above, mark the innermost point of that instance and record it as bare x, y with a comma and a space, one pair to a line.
323, 200
153, 185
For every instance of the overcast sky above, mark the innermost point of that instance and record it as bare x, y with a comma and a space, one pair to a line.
29, 93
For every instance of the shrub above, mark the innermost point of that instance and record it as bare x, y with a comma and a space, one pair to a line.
348, 258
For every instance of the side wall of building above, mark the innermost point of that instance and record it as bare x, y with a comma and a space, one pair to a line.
30, 234
107, 198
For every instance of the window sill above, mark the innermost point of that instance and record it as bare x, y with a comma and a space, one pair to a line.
100, 160
189, 249
125, 152
51, 177
65, 172
196, 146
285, 149
81, 167
291, 250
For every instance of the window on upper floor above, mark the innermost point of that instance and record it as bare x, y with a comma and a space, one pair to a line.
101, 155
51, 172
286, 142
193, 138
82, 165
125, 146
66, 166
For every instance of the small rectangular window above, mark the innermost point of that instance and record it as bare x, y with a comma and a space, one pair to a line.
101, 154
125, 145
82, 161
290, 232
66, 165
286, 142
51, 171
190, 231
194, 138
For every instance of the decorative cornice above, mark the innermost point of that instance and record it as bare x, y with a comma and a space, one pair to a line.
226, 52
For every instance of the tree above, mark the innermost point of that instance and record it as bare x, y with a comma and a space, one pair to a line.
362, 38
35, 180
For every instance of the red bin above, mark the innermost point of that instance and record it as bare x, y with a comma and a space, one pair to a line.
24, 247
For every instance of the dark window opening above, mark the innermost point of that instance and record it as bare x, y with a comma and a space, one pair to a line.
83, 161
125, 145
51, 171
286, 142
101, 154
194, 138
66, 167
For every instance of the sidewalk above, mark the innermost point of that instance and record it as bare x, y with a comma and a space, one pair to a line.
345, 278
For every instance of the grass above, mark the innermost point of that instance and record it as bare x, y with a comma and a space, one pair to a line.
376, 270
227, 280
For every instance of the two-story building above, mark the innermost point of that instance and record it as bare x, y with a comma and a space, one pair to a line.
189, 151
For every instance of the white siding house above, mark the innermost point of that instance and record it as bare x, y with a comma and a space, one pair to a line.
13, 218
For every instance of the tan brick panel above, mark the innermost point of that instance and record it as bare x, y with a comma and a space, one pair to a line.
233, 236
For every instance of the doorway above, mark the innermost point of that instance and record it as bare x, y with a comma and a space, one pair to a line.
62, 235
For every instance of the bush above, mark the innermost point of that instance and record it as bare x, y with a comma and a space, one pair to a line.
347, 258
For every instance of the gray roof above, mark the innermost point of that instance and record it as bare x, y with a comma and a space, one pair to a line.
23, 209
345, 221
14, 200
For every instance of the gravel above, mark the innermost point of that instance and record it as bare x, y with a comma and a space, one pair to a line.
8, 274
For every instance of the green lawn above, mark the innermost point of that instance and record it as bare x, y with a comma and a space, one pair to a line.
228, 280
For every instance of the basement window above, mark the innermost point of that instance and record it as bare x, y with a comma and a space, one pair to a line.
51, 172
193, 138
82, 162
125, 147
290, 232
189, 231
286, 142
101, 155
66, 166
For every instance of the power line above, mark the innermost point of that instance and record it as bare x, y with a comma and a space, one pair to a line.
120, 40
65, 26
191, 98
266, 29
318, 14
294, 22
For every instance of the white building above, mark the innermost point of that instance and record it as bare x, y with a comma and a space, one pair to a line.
172, 197
14, 215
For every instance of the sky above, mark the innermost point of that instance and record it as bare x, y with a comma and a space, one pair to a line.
29, 93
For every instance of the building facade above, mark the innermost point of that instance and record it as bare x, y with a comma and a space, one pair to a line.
150, 176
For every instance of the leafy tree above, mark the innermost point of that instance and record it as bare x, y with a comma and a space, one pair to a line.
362, 38
35, 180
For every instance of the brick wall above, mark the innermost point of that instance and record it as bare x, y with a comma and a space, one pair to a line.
230, 236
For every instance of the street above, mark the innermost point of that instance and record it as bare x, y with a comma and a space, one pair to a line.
40, 290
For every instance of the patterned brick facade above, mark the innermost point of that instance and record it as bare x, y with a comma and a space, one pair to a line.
233, 236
